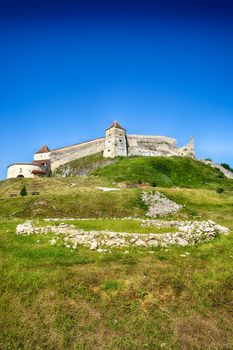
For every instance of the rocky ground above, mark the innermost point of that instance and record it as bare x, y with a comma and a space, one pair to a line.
159, 205
188, 233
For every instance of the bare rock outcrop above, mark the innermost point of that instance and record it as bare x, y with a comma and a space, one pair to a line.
159, 205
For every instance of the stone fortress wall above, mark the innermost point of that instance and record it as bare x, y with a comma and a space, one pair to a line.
144, 145
115, 143
118, 143
65, 155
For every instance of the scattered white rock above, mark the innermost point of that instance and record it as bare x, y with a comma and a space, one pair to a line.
53, 241
106, 189
100, 250
187, 233
140, 243
159, 205
94, 245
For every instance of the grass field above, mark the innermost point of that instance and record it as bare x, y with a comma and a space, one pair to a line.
55, 298
115, 225
165, 172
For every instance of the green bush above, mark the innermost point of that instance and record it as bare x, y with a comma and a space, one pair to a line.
226, 166
23, 191
219, 190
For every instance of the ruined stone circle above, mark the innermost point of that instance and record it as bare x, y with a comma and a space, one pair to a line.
188, 233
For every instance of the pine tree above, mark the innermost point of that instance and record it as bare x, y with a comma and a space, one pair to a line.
23, 191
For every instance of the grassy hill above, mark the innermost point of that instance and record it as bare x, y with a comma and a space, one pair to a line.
136, 299
67, 197
157, 171
165, 172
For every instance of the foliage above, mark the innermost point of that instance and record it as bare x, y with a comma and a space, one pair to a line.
226, 166
219, 190
23, 191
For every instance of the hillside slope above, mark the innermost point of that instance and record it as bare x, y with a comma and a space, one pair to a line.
165, 172
157, 171
83, 166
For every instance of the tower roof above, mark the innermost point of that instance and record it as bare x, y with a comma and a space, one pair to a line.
43, 149
115, 124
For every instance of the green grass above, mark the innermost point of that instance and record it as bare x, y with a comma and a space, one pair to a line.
54, 298
115, 225
165, 172
72, 197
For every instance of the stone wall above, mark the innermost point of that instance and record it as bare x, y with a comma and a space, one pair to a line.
64, 155
138, 145
151, 145
144, 145
227, 173
187, 233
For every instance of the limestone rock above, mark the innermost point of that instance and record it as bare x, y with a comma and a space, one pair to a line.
140, 243
94, 245
159, 205
53, 241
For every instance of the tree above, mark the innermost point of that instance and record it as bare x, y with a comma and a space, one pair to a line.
226, 166
23, 191
220, 190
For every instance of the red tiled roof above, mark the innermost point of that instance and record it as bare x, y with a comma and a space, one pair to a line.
34, 172
43, 149
115, 124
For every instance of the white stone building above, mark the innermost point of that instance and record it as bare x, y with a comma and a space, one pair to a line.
115, 143
40, 166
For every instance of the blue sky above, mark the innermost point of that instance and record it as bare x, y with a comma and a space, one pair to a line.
68, 69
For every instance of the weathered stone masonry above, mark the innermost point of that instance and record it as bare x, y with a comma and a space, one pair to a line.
115, 143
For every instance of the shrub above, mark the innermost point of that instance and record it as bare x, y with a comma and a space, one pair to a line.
226, 166
23, 191
219, 190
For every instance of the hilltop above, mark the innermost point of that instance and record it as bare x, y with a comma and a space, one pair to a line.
156, 171
57, 297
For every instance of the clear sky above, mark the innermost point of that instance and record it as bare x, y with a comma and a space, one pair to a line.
69, 68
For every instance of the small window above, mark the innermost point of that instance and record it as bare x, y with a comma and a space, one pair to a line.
108, 150
120, 140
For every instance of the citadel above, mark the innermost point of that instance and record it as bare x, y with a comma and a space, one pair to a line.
117, 142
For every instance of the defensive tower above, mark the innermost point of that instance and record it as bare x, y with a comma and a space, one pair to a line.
115, 141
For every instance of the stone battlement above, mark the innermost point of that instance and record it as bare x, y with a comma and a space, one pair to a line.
115, 143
